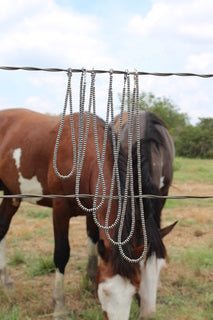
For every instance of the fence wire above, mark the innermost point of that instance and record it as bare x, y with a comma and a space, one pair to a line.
99, 71
107, 197
140, 73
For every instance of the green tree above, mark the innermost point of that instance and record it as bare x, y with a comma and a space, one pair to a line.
196, 141
206, 123
190, 140
166, 110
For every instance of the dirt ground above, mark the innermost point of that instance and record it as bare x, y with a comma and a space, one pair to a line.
30, 235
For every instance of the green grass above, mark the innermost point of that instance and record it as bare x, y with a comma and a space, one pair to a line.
188, 203
94, 312
134, 312
39, 214
17, 258
191, 170
91, 309
10, 314
40, 265
36, 265
190, 294
195, 258
197, 170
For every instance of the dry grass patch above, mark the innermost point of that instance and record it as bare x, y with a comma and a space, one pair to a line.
186, 289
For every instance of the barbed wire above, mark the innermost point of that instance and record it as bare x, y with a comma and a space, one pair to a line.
141, 73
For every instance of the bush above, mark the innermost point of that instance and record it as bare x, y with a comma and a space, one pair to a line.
190, 141
195, 142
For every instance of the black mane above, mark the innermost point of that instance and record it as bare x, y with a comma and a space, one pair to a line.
152, 207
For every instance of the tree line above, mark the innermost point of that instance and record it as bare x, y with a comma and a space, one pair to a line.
192, 141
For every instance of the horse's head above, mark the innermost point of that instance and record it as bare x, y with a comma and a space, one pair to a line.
117, 280
116, 284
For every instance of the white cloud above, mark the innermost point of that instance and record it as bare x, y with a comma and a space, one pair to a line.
158, 18
40, 31
201, 63
189, 20
178, 35
36, 103
195, 105
173, 36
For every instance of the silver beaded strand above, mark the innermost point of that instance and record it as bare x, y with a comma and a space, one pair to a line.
68, 96
82, 142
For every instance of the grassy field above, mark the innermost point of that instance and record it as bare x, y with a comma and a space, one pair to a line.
186, 291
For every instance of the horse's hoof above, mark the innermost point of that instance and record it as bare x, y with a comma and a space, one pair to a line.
9, 284
62, 317
5, 280
63, 314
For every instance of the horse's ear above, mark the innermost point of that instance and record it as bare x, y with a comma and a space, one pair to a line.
102, 250
166, 230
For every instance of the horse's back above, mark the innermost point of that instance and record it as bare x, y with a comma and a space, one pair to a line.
27, 143
26, 147
18, 124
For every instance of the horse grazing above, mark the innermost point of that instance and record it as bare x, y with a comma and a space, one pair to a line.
117, 279
27, 141
26, 166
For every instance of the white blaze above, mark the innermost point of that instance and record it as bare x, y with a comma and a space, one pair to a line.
162, 182
27, 186
115, 295
150, 275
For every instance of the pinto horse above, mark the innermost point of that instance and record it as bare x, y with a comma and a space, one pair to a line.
157, 155
27, 141
26, 166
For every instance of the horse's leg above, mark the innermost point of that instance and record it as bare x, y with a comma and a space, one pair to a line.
8, 208
92, 240
61, 217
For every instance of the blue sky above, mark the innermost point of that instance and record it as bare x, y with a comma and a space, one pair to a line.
148, 35
108, 7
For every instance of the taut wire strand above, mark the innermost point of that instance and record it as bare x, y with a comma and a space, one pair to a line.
82, 195
140, 73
